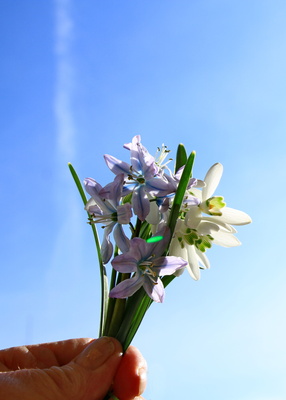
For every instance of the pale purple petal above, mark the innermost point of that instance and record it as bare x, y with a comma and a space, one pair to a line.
148, 166
113, 191
140, 203
124, 263
121, 239
158, 186
141, 160
191, 200
168, 265
156, 249
134, 157
137, 248
93, 189
92, 208
127, 287
129, 145
124, 213
116, 166
128, 188
160, 246
106, 246
155, 291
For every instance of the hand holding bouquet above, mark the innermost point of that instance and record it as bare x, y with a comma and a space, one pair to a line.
162, 222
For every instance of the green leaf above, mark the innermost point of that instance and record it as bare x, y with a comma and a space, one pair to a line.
179, 197
180, 193
181, 158
78, 183
103, 275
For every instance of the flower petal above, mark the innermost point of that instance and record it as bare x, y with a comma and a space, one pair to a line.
203, 260
92, 187
124, 213
140, 203
156, 249
113, 191
211, 180
220, 223
193, 217
176, 249
137, 248
158, 186
106, 246
143, 161
207, 228
116, 166
92, 208
128, 146
127, 287
154, 216
155, 291
225, 239
121, 239
234, 217
193, 263
168, 265
124, 263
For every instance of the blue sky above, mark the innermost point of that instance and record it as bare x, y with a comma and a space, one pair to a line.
80, 79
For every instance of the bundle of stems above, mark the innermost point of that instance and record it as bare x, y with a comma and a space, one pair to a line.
121, 318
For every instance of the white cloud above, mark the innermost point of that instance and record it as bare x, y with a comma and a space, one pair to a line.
65, 79
65, 271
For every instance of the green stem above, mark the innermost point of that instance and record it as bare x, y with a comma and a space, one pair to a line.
103, 275
111, 303
132, 307
142, 309
179, 196
136, 233
117, 315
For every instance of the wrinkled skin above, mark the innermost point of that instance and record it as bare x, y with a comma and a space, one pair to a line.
75, 369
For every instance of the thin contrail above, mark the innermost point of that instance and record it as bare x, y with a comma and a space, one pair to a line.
64, 80
65, 266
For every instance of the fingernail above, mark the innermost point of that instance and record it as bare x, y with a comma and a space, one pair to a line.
142, 372
96, 353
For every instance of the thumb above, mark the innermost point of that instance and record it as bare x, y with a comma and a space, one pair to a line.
96, 367
87, 377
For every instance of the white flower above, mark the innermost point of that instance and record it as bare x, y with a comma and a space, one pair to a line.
215, 205
184, 245
197, 232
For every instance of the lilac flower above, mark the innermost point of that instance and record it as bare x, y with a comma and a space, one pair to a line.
104, 206
145, 261
143, 177
174, 180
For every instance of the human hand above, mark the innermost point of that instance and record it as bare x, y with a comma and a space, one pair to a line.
75, 369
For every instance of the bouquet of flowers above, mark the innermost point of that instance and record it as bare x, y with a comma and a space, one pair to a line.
163, 222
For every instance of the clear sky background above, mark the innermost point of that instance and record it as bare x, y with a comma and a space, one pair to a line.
81, 78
